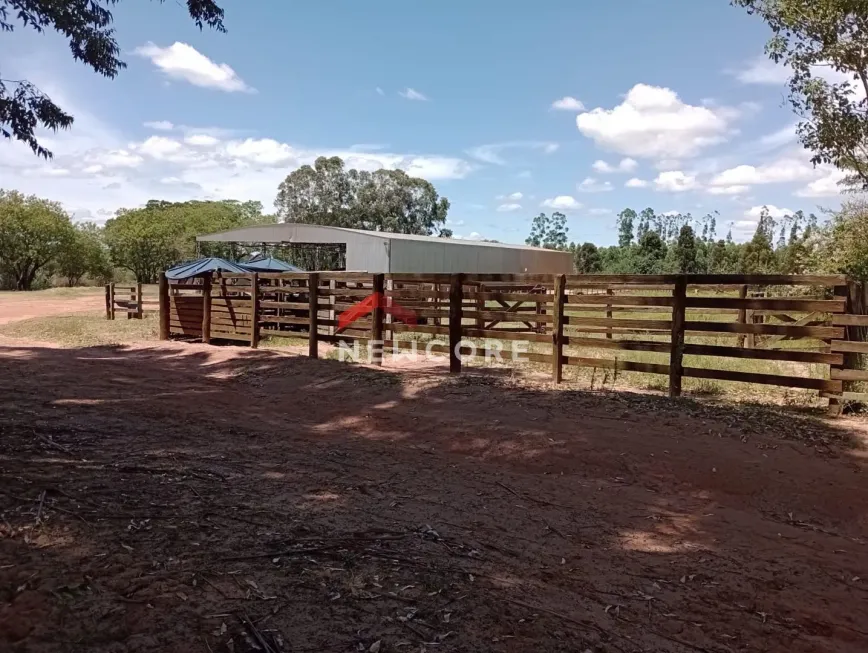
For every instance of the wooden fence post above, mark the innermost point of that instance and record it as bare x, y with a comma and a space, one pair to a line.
676, 352
254, 310
139, 309
456, 297
480, 306
206, 309
609, 313
376, 344
164, 306
313, 308
836, 406
558, 328
108, 301
742, 313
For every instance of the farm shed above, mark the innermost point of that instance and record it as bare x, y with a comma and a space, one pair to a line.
384, 252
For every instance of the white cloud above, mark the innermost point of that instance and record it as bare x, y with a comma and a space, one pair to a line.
512, 197
624, 165
494, 153
669, 214
412, 94
728, 190
762, 70
783, 136
562, 203
159, 147
160, 125
568, 103
591, 185
184, 62
380, 91
653, 122
774, 211
635, 182
824, 186
674, 181
509, 207
784, 169
473, 235
205, 140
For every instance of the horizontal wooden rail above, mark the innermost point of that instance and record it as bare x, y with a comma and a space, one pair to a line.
624, 345
800, 305
850, 320
764, 379
766, 329
626, 366
619, 300
651, 325
764, 354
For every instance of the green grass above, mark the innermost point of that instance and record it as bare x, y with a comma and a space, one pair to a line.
84, 329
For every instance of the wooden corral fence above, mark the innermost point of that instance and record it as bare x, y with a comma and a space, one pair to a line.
690, 321
131, 300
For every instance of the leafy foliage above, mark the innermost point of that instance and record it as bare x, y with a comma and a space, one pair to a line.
843, 243
587, 259
549, 232
86, 24
33, 234
85, 254
384, 200
150, 239
810, 36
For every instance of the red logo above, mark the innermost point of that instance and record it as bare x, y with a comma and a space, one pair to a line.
367, 306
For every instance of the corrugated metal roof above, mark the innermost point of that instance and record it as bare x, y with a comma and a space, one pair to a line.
226, 236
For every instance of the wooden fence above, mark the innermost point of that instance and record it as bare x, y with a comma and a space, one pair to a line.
131, 300
690, 321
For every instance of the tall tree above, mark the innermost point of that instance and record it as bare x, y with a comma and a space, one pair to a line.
685, 251
384, 200
843, 246
626, 218
549, 232
650, 254
33, 234
85, 254
86, 25
587, 259
814, 38
538, 230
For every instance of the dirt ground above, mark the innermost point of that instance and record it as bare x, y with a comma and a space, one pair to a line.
192, 498
15, 306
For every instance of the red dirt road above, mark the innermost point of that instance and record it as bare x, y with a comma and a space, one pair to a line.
193, 498
27, 305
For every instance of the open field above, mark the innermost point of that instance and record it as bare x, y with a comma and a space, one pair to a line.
163, 496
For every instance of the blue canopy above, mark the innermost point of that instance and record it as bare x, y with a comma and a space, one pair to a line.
269, 264
203, 265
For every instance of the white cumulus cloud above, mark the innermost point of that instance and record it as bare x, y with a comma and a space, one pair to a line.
624, 165
508, 207
653, 122
674, 181
160, 125
184, 62
568, 103
562, 203
591, 185
635, 182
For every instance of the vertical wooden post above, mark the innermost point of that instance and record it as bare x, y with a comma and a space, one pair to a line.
131, 298
611, 293
108, 301
676, 353
480, 306
254, 310
558, 328
836, 406
313, 308
377, 314
206, 309
139, 310
742, 313
333, 284
164, 306
456, 297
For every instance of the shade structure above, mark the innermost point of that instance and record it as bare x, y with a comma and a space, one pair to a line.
269, 264
202, 266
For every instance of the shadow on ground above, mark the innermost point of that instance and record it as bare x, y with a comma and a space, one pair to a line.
193, 498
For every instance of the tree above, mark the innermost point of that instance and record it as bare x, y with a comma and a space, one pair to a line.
86, 25
85, 254
384, 200
625, 227
148, 240
650, 253
587, 259
549, 232
685, 251
843, 242
825, 45
757, 256
33, 233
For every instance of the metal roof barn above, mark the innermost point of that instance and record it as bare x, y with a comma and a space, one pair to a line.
380, 251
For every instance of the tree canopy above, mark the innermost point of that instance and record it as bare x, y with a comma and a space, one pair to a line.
33, 233
549, 232
86, 25
825, 45
385, 200
148, 240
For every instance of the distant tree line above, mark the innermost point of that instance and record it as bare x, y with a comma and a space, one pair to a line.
654, 243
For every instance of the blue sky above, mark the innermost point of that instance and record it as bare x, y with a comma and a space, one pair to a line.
510, 108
